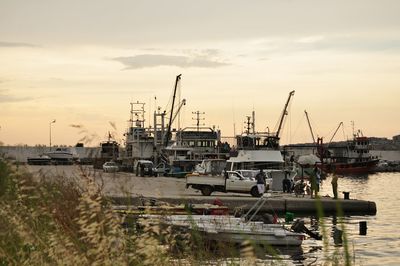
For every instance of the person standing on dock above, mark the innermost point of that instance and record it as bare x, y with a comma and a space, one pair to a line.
317, 179
261, 182
286, 184
313, 184
334, 183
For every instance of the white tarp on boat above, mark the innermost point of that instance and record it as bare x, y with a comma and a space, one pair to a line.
308, 159
257, 156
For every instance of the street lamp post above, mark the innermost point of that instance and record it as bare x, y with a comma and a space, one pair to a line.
52, 122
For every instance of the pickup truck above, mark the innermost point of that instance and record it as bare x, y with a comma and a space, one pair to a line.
232, 181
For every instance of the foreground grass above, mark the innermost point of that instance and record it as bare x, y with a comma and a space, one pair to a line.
65, 222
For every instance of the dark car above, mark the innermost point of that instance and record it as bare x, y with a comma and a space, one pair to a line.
144, 168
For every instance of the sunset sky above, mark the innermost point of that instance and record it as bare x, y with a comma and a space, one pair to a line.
83, 62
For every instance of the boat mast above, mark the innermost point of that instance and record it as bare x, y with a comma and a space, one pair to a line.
172, 110
198, 113
309, 125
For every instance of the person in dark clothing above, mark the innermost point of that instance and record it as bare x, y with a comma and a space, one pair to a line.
286, 184
261, 181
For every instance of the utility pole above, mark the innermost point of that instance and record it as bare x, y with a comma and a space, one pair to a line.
52, 122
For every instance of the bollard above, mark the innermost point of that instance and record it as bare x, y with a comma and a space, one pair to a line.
337, 236
346, 195
363, 228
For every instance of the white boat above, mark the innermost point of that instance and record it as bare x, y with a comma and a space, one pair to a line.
62, 155
234, 230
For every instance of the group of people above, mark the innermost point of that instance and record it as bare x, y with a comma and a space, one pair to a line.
315, 183
289, 187
315, 180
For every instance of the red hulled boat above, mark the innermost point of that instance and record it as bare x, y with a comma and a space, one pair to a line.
350, 158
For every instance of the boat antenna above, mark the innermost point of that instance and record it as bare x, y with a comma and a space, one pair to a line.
198, 119
254, 122
248, 124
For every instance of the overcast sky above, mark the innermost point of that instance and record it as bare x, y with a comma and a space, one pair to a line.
83, 62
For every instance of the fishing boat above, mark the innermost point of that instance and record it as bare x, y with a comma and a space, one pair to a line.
348, 158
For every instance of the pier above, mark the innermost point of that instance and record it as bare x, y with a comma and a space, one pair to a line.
274, 204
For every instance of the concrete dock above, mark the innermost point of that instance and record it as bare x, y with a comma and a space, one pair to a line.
275, 204
128, 189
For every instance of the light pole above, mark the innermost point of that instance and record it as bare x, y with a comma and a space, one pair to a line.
52, 122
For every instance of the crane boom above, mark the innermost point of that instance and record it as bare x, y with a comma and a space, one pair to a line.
309, 125
284, 113
340, 124
183, 102
172, 110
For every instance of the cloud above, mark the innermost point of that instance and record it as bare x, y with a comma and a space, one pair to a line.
6, 98
324, 43
155, 60
76, 126
16, 44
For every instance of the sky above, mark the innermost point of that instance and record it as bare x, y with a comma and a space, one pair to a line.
83, 62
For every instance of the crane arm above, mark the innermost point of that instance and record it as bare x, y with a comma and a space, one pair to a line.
284, 113
178, 78
309, 125
340, 124
183, 102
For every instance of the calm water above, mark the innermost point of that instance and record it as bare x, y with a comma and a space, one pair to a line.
381, 245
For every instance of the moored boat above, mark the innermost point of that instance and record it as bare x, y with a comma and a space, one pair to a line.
352, 158
62, 156
234, 230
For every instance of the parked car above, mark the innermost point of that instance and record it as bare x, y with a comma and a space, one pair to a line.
144, 168
110, 167
161, 169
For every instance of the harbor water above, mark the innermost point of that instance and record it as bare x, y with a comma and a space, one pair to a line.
380, 245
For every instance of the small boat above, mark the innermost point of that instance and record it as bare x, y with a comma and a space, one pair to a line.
61, 156
228, 228
233, 229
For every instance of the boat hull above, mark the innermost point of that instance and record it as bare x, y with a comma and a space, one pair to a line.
256, 238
